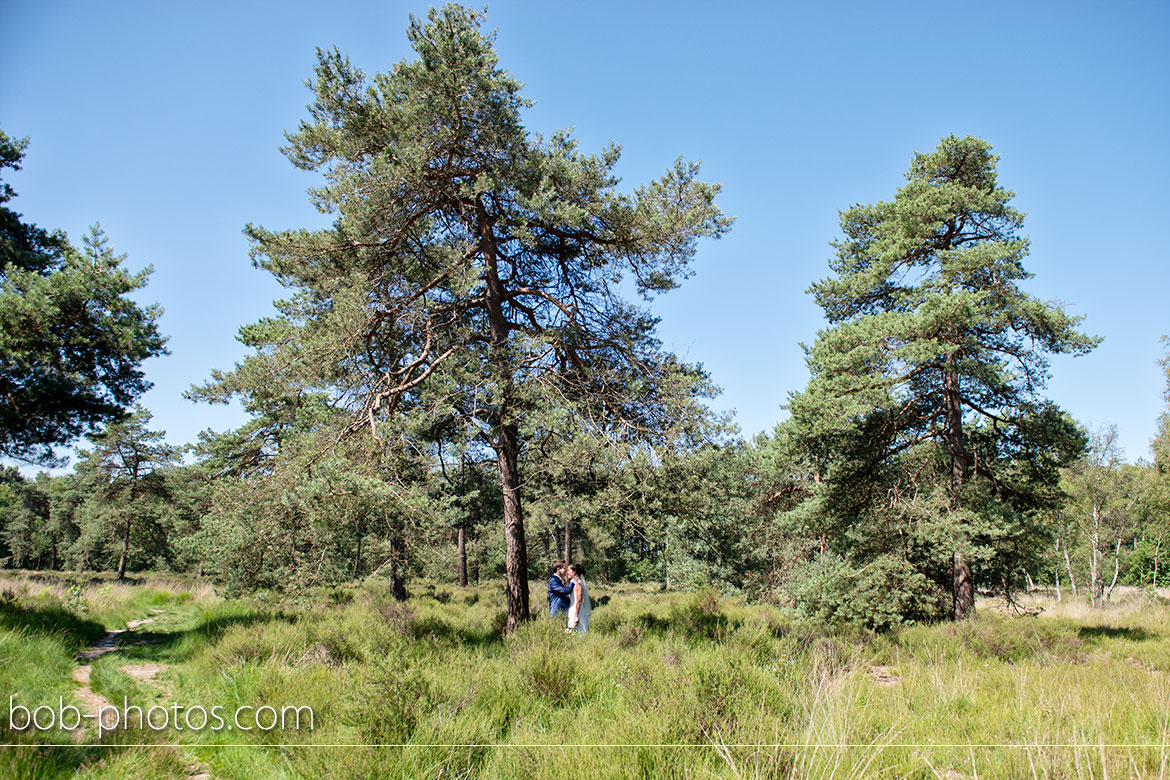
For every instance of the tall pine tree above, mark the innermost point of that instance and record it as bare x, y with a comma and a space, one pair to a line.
72, 342
935, 355
475, 269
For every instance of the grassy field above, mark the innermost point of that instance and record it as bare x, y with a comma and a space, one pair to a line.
666, 685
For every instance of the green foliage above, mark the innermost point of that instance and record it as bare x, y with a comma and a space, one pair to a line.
24, 505
926, 438
71, 339
125, 514
1149, 563
468, 295
886, 592
310, 519
703, 500
1155, 498
1104, 509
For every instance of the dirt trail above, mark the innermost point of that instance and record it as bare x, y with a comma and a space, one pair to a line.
93, 702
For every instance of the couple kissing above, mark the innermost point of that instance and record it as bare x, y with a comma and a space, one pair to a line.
568, 594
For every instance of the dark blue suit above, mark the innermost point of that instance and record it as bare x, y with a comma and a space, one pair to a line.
558, 595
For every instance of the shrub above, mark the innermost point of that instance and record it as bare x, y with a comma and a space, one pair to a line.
701, 617
398, 616
391, 704
550, 676
885, 592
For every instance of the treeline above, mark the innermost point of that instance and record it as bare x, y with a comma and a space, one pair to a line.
295, 518
723, 515
457, 386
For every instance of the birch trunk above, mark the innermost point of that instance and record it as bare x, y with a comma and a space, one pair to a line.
1116, 568
1071, 579
1095, 584
1056, 572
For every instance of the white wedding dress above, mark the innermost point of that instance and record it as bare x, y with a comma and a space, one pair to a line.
586, 608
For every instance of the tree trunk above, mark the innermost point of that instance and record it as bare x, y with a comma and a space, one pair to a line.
398, 567
1095, 584
515, 551
125, 549
1116, 569
568, 528
963, 587
1157, 551
666, 555
357, 556
964, 592
547, 545
1056, 572
508, 442
462, 555
1068, 565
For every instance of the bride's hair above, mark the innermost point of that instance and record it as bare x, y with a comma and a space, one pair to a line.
578, 569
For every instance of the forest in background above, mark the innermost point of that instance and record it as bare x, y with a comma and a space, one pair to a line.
461, 385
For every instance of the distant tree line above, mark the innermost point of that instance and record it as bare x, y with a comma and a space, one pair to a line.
458, 386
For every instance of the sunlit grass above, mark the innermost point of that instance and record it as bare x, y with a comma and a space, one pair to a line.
674, 684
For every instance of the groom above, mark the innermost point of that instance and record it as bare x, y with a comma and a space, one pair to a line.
558, 591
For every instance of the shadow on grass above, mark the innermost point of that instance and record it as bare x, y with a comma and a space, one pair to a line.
441, 631
48, 755
51, 578
1112, 632
146, 645
75, 631
43, 761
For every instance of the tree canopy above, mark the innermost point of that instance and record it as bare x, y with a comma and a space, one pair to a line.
933, 341
475, 269
71, 339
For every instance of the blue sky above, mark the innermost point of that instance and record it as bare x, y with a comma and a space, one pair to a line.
163, 121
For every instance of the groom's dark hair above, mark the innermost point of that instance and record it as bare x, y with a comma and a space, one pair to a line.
556, 567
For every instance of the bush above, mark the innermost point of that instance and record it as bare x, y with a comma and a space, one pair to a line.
702, 617
641, 570
402, 698
885, 592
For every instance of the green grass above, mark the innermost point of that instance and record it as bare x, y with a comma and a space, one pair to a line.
733, 690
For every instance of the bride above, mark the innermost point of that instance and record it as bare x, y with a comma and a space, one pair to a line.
580, 608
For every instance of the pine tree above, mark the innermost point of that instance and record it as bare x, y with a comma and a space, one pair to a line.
474, 267
932, 342
126, 469
71, 340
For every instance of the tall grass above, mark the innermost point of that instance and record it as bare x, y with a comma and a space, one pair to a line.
667, 685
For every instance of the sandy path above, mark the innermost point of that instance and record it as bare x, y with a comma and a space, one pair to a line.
92, 702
